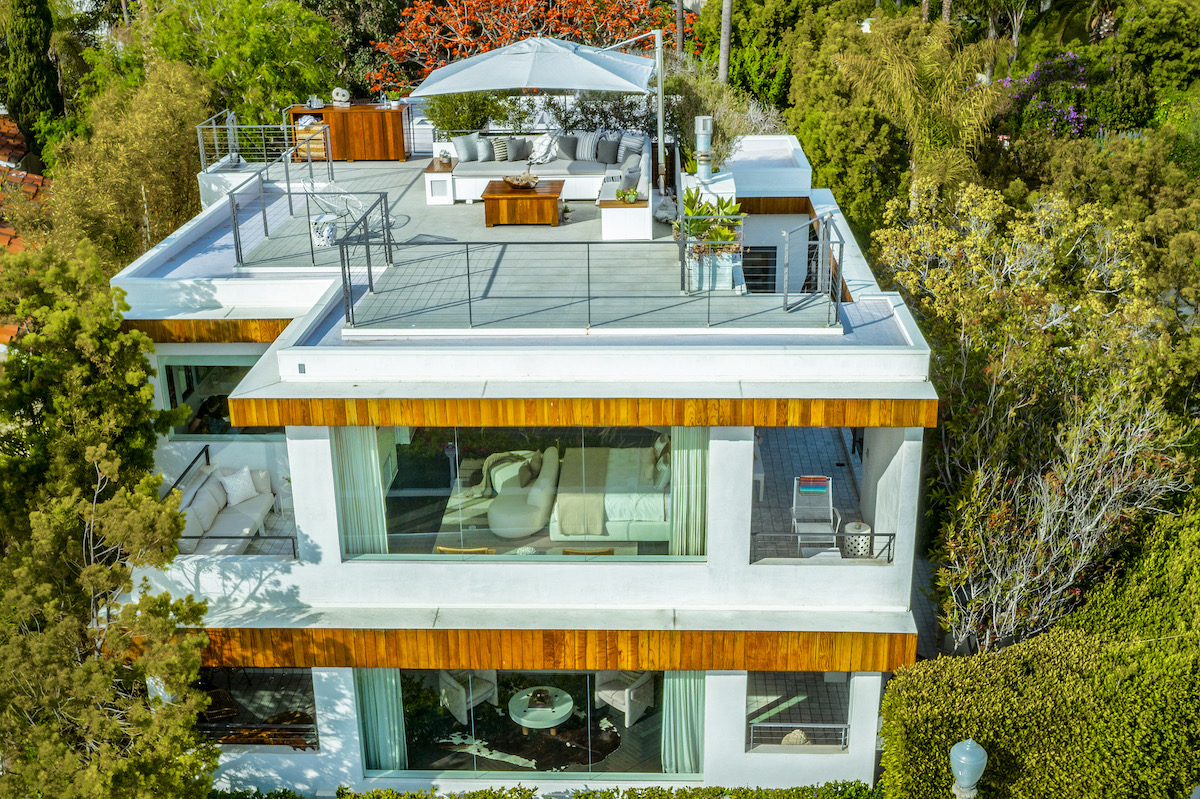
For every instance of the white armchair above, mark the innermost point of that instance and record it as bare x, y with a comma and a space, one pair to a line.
631, 692
466, 688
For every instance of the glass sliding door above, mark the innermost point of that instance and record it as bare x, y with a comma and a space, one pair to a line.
484, 720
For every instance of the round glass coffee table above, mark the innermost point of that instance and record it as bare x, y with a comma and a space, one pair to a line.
547, 715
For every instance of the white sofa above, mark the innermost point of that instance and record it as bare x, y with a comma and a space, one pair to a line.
214, 527
520, 511
582, 180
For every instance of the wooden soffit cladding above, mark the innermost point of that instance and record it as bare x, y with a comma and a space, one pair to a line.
777, 205
567, 650
209, 331
346, 412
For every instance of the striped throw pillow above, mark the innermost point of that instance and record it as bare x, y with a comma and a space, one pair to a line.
631, 142
585, 150
500, 149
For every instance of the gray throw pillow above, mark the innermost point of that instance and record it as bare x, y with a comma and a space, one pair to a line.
630, 178
567, 147
518, 149
464, 147
484, 150
631, 161
606, 152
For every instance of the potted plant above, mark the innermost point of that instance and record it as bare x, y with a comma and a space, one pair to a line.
566, 213
444, 157
714, 251
394, 101
627, 195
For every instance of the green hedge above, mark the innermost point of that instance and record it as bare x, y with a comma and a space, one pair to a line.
830, 790
1105, 705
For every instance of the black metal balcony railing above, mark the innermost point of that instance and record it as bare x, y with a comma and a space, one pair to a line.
849, 547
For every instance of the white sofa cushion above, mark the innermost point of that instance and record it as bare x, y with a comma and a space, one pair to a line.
205, 509
214, 489
262, 481
244, 518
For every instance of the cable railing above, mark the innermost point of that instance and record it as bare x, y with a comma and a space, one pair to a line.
225, 143
798, 734
822, 256
842, 546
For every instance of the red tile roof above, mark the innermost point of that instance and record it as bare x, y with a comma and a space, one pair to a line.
12, 150
12, 143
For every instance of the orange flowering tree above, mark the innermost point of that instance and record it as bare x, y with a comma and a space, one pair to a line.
437, 32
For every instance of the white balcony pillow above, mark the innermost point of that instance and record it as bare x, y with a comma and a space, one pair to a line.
205, 508
262, 480
239, 486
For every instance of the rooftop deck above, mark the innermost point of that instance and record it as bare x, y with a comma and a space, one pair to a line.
423, 268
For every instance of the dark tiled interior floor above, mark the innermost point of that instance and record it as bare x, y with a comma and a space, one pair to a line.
779, 702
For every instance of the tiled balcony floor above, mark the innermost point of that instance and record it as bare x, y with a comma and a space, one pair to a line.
788, 452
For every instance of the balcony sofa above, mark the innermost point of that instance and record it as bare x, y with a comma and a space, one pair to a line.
582, 179
214, 527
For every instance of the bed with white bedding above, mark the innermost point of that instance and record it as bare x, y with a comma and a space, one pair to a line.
626, 505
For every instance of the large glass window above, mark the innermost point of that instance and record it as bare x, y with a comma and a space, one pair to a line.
486, 720
266, 707
204, 384
580, 493
805, 708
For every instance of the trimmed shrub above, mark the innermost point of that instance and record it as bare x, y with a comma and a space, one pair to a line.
1106, 704
830, 790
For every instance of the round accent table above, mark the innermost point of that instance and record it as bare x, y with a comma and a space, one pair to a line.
557, 710
858, 541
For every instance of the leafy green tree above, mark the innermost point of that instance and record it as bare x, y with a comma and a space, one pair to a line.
854, 150
133, 180
761, 41
30, 88
931, 94
80, 511
1042, 457
259, 55
357, 25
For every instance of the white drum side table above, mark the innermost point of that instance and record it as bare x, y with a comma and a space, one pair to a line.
859, 542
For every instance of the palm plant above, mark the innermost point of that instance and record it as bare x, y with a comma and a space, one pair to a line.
931, 94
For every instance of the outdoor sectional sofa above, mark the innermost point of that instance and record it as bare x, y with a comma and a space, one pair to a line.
582, 179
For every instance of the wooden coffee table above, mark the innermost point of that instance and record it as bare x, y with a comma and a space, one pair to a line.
504, 205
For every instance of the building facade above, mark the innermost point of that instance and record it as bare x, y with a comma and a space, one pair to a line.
523, 504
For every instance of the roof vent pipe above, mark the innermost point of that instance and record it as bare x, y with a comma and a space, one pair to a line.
704, 127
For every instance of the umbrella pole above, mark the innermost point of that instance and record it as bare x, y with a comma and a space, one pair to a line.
662, 144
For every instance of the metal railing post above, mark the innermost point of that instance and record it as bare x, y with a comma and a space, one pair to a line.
312, 253
367, 243
787, 265
287, 183
589, 284
203, 149
237, 235
470, 314
347, 285
262, 199
328, 152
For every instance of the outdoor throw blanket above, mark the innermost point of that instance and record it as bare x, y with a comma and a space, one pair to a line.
485, 487
581, 491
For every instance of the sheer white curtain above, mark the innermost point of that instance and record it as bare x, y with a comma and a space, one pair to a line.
359, 485
683, 719
689, 491
381, 719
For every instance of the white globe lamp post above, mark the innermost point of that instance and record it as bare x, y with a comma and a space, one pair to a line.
967, 761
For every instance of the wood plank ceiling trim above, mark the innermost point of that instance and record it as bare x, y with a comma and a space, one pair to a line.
343, 412
209, 331
567, 650
777, 205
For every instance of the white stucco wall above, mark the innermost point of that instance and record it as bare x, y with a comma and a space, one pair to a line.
726, 761
262, 592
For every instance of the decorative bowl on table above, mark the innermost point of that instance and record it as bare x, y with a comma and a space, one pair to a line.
525, 180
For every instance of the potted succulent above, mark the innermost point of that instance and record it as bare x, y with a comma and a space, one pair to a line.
444, 156
714, 249
627, 195
566, 213
394, 100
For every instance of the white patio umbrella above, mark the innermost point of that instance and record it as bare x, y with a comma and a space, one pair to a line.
554, 65
542, 63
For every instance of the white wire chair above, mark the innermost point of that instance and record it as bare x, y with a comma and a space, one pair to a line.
331, 198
